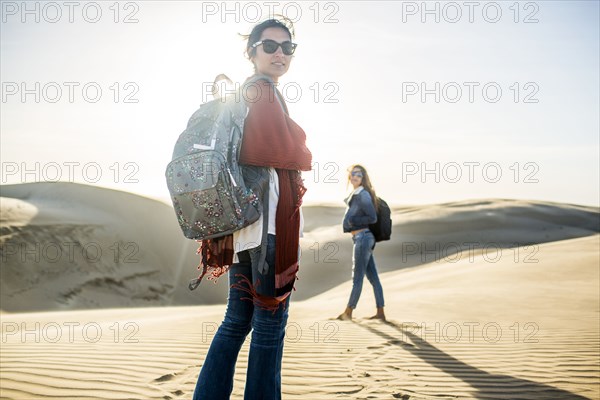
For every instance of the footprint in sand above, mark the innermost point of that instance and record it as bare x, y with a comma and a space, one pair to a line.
165, 378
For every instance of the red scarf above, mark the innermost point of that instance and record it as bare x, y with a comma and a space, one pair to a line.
271, 139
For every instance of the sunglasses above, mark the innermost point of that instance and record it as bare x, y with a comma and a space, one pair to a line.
270, 46
357, 174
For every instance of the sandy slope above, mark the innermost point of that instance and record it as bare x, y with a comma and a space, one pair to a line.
423, 234
70, 246
501, 300
535, 336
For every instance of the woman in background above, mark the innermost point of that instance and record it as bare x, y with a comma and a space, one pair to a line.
361, 211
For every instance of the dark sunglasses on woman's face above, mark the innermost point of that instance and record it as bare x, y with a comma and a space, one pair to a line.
270, 46
357, 174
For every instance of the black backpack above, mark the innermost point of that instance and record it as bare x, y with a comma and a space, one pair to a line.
382, 229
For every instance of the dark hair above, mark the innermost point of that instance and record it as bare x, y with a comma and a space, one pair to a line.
254, 36
366, 182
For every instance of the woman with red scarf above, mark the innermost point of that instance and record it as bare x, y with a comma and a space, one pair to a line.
272, 154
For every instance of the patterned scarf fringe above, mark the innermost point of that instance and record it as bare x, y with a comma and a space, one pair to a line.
263, 302
214, 272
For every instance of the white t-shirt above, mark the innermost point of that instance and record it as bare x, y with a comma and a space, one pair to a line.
250, 236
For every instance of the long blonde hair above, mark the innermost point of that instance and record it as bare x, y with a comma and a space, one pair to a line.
366, 183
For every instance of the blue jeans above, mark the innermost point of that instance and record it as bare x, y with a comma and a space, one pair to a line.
364, 263
263, 377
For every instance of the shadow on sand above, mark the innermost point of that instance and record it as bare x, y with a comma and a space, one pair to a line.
487, 385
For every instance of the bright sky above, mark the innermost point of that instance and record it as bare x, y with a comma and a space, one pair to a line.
517, 83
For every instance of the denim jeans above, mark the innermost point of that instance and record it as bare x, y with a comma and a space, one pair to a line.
364, 263
263, 377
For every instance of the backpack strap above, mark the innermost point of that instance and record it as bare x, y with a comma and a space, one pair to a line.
263, 267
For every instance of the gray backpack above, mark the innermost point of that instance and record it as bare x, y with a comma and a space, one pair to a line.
207, 187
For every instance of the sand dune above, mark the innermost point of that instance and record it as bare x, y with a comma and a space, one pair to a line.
535, 335
70, 246
487, 299
443, 232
